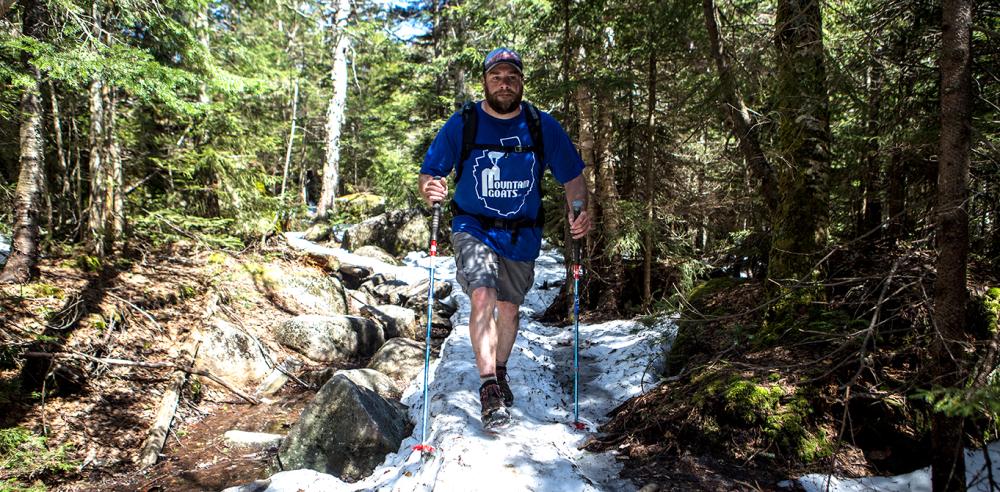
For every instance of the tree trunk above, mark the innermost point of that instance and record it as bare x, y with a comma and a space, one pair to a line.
62, 165
291, 138
950, 293
22, 263
113, 197
800, 224
648, 166
871, 185
744, 123
335, 114
96, 212
896, 196
613, 267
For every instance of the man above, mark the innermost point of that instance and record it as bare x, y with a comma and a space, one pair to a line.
496, 228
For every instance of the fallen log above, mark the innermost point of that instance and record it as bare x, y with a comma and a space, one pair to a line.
151, 447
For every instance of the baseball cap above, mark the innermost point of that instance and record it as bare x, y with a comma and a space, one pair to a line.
502, 55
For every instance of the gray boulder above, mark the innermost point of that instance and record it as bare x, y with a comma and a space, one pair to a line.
330, 338
401, 359
358, 300
231, 354
372, 251
320, 231
346, 430
396, 231
373, 380
306, 291
396, 321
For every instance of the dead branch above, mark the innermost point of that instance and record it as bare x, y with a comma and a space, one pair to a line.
137, 308
151, 365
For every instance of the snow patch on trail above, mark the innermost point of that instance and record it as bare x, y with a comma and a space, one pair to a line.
4, 248
539, 450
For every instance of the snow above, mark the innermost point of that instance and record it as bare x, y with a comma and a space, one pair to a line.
976, 477
4, 248
539, 451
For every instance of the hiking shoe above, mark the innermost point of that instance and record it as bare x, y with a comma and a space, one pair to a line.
503, 381
491, 399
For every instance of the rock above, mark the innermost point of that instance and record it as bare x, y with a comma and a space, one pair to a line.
360, 205
396, 231
231, 354
401, 359
392, 291
320, 231
377, 253
354, 275
396, 321
330, 338
306, 292
257, 440
373, 380
358, 300
346, 430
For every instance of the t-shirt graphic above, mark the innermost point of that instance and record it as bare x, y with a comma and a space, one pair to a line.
503, 184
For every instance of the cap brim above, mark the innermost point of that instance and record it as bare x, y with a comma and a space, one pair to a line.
512, 65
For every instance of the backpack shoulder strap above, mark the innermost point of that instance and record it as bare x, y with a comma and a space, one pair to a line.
470, 124
534, 118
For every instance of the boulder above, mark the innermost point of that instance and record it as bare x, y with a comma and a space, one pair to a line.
306, 291
330, 338
278, 377
372, 251
396, 231
401, 359
358, 300
346, 430
231, 354
360, 205
373, 380
354, 275
320, 231
391, 291
396, 321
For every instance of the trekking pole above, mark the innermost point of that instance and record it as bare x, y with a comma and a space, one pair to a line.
577, 272
423, 447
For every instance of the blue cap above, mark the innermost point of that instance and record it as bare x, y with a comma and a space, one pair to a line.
502, 55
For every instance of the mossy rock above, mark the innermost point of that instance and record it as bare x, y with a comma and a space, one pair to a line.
983, 313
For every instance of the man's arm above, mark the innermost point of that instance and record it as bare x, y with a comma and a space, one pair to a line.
576, 189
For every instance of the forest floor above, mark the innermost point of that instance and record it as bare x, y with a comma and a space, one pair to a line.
96, 417
143, 310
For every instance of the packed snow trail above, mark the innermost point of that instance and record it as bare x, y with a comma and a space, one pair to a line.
539, 449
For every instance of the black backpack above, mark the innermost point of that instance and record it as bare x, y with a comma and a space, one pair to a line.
470, 126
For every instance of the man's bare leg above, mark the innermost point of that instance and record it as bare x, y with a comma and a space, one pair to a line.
507, 325
483, 330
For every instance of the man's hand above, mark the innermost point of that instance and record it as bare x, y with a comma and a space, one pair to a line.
433, 189
579, 226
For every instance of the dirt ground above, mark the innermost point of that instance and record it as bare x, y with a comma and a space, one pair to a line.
142, 309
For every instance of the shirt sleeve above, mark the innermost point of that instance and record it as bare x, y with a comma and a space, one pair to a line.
560, 153
445, 150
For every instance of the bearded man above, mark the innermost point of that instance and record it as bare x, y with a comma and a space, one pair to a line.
499, 149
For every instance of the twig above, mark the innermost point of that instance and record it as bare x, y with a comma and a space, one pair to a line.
137, 308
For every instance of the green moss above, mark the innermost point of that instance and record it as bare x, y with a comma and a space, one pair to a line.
13, 486
88, 263
797, 320
41, 289
217, 258
983, 313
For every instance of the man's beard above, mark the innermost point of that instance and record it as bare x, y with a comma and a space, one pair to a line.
504, 106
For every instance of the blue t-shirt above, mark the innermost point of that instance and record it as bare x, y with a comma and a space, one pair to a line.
495, 184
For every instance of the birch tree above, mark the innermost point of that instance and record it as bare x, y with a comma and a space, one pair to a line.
335, 112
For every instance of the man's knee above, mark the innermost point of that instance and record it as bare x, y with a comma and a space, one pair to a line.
483, 297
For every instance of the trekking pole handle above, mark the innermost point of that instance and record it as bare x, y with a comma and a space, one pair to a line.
577, 208
435, 223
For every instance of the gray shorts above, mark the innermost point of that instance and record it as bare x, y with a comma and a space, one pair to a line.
479, 266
